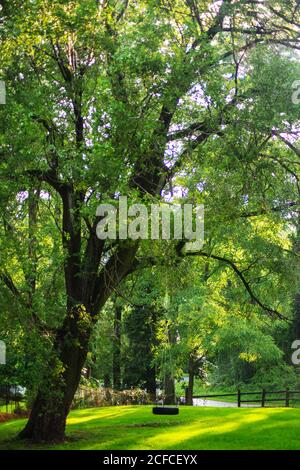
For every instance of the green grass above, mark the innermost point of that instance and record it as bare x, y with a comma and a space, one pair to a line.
134, 427
12, 406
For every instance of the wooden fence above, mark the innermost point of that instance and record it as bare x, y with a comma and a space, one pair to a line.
10, 398
265, 397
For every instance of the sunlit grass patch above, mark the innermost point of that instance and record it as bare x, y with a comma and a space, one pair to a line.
135, 427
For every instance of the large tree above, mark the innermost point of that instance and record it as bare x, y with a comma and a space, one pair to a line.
108, 98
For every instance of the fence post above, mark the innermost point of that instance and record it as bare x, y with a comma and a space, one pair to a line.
263, 397
287, 397
239, 398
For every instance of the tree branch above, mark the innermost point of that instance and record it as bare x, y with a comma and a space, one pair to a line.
279, 208
238, 272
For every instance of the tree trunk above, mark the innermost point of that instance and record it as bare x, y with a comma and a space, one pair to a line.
170, 398
151, 369
117, 349
190, 389
47, 421
106, 381
88, 372
151, 382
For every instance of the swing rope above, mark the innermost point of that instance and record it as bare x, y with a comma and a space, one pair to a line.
168, 410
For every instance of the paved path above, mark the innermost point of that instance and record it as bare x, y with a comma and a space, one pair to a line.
221, 404
204, 402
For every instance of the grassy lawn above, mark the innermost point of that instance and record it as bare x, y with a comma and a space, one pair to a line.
134, 427
11, 407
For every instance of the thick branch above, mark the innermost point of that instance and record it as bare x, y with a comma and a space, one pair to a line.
118, 266
238, 272
51, 178
279, 208
288, 143
9, 283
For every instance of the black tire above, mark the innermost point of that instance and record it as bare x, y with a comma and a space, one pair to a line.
165, 410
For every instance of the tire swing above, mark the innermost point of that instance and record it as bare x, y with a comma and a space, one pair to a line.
166, 409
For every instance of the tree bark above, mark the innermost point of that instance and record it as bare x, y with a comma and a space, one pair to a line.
117, 349
170, 398
106, 381
190, 389
151, 368
47, 421
151, 382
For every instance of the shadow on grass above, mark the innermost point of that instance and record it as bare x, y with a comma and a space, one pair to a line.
209, 428
277, 431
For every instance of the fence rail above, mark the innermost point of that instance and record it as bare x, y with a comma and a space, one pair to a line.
10, 398
286, 396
